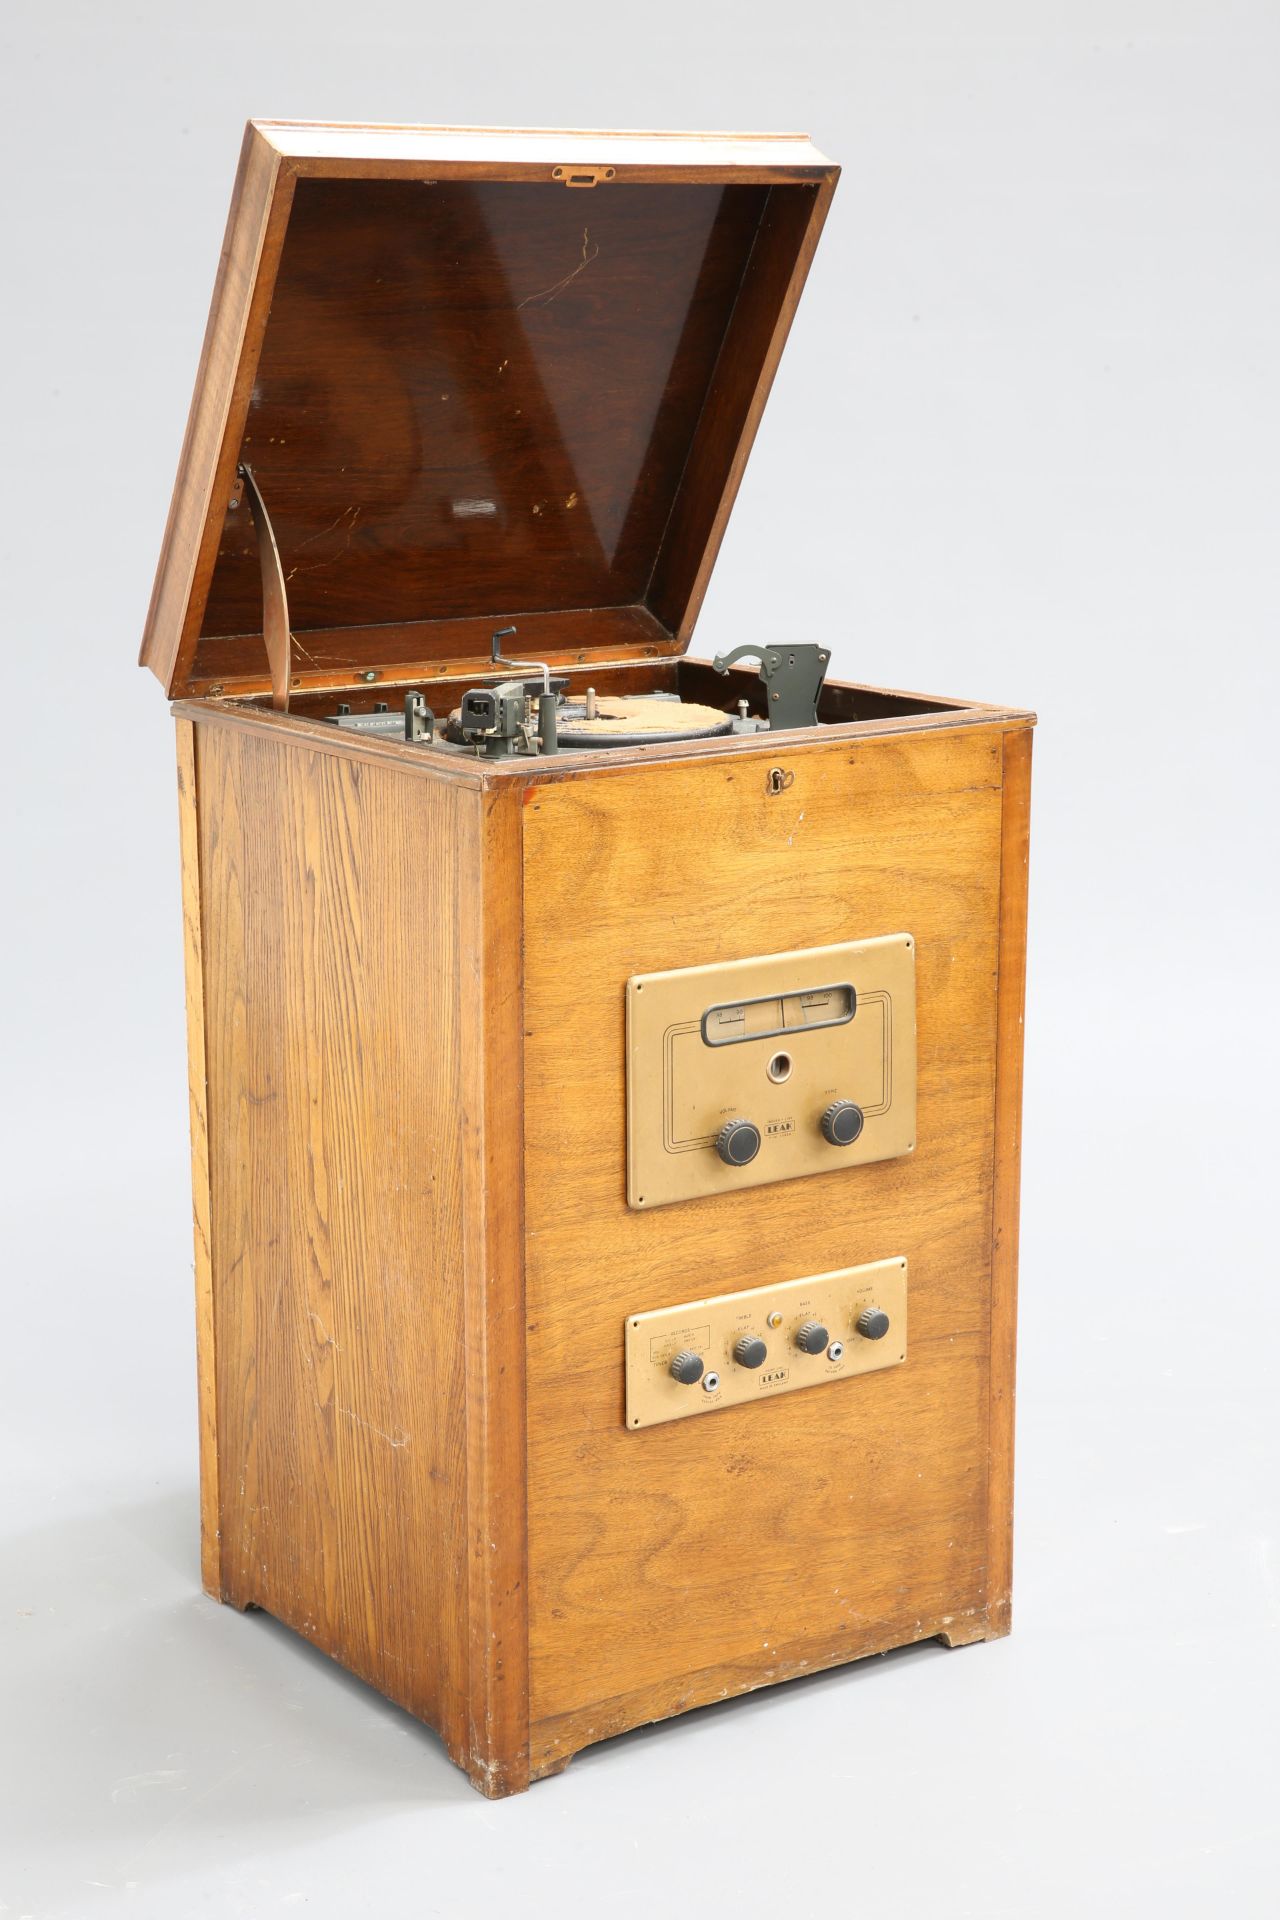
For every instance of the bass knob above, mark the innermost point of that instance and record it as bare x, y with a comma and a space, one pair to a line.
812, 1337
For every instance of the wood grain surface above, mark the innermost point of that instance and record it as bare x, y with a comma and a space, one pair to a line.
360, 1300
498, 399
406, 981
198, 1108
256, 224
1014, 856
480, 396
676, 1565
490, 908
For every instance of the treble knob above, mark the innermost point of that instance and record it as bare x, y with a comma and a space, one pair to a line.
812, 1337
841, 1123
750, 1351
738, 1142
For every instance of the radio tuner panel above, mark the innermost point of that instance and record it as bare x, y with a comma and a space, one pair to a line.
766, 1069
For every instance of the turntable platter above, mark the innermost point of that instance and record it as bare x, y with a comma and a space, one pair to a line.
638, 720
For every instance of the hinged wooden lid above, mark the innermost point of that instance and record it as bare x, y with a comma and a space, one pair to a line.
479, 377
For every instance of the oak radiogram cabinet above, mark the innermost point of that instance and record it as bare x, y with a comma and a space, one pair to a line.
605, 1064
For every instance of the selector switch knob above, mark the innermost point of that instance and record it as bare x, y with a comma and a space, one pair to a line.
872, 1323
738, 1142
812, 1337
750, 1351
841, 1123
687, 1368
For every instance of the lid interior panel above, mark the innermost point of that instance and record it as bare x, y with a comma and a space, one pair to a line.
475, 398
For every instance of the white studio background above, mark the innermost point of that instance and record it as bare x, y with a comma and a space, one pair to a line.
1023, 446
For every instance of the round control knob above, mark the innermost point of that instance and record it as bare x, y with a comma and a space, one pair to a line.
841, 1123
687, 1368
872, 1323
750, 1351
812, 1337
737, 1142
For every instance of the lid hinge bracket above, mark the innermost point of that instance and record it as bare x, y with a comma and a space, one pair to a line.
275, 600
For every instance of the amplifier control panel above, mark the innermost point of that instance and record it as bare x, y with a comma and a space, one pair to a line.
752, 1345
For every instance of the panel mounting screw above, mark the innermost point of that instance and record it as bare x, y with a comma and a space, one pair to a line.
369, 674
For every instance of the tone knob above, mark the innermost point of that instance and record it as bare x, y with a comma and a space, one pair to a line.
872, 1323
812, 1337
687, 1368
841, 1123
738, 1142
750, 1351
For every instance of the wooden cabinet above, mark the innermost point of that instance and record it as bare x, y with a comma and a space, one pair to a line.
453, 382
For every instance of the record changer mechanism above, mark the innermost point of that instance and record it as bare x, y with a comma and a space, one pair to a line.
532, 716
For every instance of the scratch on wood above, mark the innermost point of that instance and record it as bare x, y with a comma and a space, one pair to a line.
397, 1439
590, 252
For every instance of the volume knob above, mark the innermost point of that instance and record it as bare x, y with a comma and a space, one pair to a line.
738, 1142
750, 1351
687, 1368
812, 1337
872, 1323
841, 1123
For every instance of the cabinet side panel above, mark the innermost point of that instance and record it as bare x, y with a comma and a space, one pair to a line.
333, 1020
193, 957
699, 1558
1015, 852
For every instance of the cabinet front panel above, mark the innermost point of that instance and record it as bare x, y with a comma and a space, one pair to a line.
695, 1558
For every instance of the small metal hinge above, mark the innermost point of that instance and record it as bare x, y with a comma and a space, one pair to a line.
582, 176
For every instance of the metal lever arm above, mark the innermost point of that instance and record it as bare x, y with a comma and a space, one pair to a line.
275, 602
793, 678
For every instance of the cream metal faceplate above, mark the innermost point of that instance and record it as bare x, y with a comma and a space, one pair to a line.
770, 1040
712, 1328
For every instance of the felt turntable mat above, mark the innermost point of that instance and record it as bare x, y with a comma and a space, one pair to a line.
641, 714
